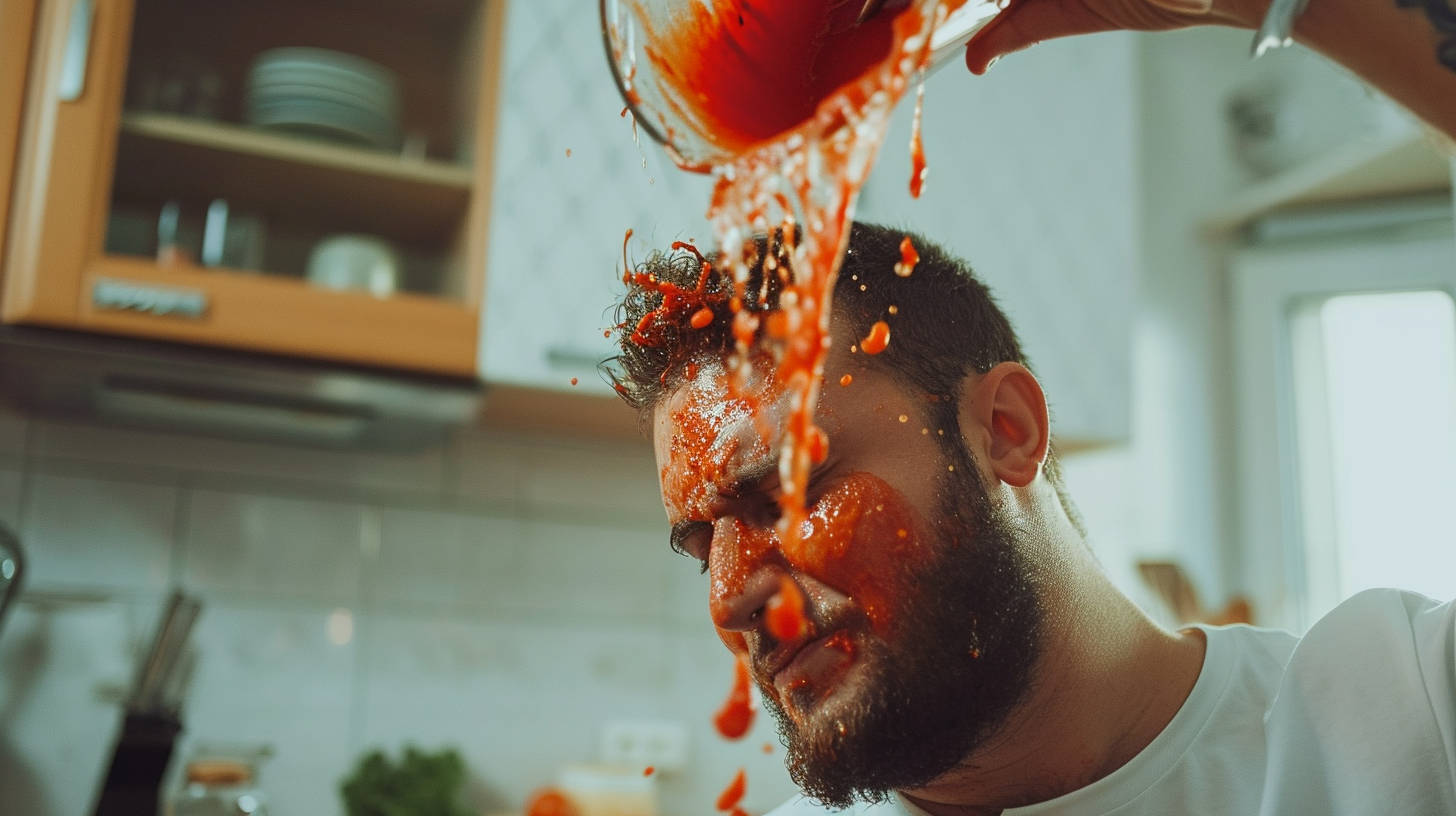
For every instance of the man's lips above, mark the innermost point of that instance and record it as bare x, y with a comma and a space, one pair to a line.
810, 664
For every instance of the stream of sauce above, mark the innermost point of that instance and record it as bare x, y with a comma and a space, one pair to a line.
802, 97
736, 716
733, 794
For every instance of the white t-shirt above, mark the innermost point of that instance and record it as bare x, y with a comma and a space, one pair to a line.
1357, 717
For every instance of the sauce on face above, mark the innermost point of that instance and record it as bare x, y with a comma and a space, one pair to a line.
736, 716
733, 794
878, 338
850, 541
785, 612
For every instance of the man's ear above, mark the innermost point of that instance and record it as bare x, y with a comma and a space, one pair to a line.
1003, 415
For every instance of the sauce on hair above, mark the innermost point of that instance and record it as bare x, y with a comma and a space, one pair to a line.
878, 338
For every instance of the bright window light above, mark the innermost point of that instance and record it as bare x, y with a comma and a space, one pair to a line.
1389, 469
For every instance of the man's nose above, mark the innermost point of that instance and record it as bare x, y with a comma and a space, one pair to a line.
745, 570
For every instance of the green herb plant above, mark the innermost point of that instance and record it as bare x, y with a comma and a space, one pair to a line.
419, 783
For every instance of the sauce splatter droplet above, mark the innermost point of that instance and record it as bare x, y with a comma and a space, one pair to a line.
785, 613
736, 716
878, 339
846, 380
904, 418
768, 748
908, 258
648, 771
702, 317
573, 381
733, 794
894, 310
550, 802
918, 167
568, 152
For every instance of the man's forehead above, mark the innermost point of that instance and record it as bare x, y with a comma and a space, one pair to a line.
709, 434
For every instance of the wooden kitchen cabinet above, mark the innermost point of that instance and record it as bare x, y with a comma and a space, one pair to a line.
97, 165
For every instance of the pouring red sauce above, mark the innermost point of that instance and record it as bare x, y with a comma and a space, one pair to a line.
754, 69
785, 612
736, 716
733, 794
802, 97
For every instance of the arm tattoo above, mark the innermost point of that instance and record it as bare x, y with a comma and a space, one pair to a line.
1444, 21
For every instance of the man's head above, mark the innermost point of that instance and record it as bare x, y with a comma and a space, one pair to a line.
916, 565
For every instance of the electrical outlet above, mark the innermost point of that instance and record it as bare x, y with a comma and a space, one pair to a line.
662, 744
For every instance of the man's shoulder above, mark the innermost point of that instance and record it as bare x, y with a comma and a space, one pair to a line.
1377, 626
1365, 720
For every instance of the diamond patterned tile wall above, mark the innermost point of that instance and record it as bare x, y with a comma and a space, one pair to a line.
569, 182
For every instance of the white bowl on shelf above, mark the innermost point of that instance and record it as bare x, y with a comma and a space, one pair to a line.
354, 262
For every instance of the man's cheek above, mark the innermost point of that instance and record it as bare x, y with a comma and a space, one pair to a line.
861, 538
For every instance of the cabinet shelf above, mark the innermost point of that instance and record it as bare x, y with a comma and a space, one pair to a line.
1398, 164
414, 201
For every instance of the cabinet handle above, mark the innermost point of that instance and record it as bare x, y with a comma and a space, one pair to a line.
78, 49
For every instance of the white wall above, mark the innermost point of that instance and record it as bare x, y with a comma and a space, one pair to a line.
1182, 452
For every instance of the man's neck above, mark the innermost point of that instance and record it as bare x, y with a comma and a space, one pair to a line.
1109, 681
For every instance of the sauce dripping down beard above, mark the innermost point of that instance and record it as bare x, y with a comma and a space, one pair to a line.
959, 659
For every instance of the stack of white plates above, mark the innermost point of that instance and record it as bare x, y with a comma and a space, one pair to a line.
324, 94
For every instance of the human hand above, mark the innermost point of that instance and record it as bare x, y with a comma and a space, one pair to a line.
1027, 22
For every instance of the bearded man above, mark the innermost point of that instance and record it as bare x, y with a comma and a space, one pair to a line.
962, 652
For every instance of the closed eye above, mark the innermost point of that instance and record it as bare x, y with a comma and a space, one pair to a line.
693, 539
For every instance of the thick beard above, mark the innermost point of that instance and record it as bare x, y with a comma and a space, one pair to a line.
962, 661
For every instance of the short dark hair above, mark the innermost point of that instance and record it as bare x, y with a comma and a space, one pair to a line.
945, 322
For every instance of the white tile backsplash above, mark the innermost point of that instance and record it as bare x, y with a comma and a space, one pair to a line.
272, 676
13, 430
168, 454
446, 561
60, 667
489, 467
242, 546
587, 572
99, 533
519, 701
509, 595
607, 478
12, 487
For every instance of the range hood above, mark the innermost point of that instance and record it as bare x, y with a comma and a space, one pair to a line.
162, 386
